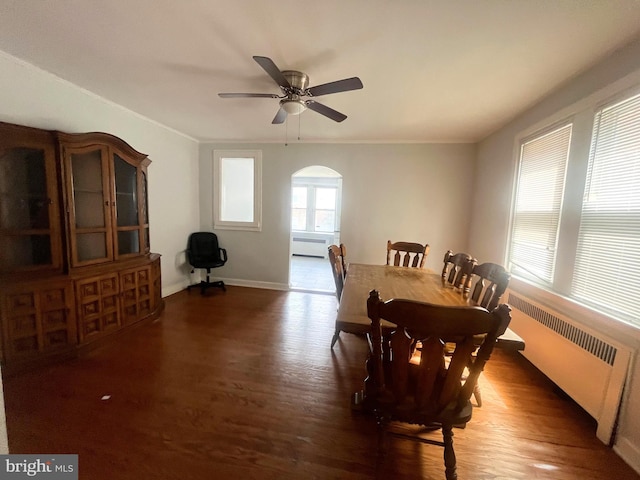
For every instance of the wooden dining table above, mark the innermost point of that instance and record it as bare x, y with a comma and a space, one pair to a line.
398, 282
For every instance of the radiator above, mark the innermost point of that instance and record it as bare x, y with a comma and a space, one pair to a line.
590, 367
311, 247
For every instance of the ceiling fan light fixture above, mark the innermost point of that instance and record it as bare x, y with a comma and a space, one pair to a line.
293, 107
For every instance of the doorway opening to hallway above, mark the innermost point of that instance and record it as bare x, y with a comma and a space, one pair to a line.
316, 198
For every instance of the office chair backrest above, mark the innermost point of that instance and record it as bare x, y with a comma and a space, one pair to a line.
204, 251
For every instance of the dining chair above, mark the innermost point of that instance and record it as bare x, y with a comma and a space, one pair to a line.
343, 259
423, 385
457, 270
336, 258
407, 252
490, 281
337, 269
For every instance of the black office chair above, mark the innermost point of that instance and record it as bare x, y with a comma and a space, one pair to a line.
204, 252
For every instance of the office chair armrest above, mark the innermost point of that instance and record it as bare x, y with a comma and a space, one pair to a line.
223, 254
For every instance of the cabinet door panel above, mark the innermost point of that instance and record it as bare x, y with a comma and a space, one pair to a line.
136, 286
129, 232
25, 250
29, 213
98, 306
87, 180
126, 181
88, 189
38, 320
91, 246
128, 242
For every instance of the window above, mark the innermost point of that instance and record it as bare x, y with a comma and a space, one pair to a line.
299, 208
536, 217
314, 205
325, 214
576, 212
238, 189
606, 271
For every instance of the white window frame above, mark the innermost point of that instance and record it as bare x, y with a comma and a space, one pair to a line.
218, 160
311, 184
582, 115
543, 277
611, 224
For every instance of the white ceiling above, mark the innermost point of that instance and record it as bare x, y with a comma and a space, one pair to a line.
433, 70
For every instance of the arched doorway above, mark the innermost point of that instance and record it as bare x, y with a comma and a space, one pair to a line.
316, 199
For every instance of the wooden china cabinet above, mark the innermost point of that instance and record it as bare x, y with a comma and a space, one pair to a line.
75, 262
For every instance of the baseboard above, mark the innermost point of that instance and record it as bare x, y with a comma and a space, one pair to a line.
178, 287
255, 284
629, 452
175, 288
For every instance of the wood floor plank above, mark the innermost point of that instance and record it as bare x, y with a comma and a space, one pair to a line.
243, 384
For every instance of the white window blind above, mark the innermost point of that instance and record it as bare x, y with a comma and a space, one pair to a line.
237, 202
607, 273
539, 191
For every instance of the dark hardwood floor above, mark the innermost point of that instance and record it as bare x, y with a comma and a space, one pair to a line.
243, 384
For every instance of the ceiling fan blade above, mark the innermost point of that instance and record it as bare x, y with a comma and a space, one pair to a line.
345, 85
326, 111
280, 117
248, 95
274, 72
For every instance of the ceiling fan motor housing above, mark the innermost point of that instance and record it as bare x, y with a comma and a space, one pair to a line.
299, 81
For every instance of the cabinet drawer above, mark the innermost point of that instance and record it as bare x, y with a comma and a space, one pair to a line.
21, 301
98, 306
37, 320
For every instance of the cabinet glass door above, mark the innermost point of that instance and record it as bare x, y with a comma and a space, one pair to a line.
145, 213
128, 220
26, 205
91, 242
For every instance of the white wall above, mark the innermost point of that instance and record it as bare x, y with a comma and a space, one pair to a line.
496, 162
29, 96
417, 192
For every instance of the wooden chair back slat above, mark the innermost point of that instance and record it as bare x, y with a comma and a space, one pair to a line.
431, 364
407, 254
457, 270
491, 281
401, 345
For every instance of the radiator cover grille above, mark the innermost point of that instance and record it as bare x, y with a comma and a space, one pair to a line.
586, 341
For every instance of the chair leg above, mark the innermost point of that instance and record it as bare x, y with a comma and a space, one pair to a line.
335, 337
477, 394
382, 438
205, 284
449, 454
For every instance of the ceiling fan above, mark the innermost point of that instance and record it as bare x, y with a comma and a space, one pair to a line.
295, 86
